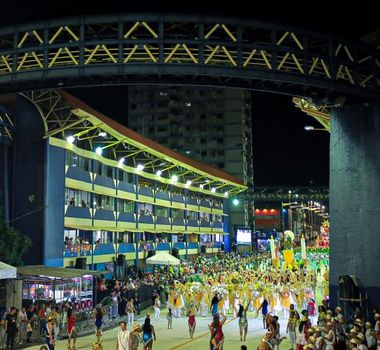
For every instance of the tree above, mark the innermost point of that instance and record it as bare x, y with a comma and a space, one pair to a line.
13, 244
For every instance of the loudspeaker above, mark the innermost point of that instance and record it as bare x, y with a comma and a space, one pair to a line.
120, 259
151, 253
175, 252
80, 263
203, 249
349, 287
222, 247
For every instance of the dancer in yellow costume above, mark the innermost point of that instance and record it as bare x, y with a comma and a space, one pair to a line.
285, 301
256, 300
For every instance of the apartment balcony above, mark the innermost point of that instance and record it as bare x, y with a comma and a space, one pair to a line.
78, 178
145, 222
77, 250
126, 220
192, 204
146, 194
104, 219
104, 185
178, 201
126, 190
162, 198
205, 226
163, 223
178, 224
77, 216
217, 227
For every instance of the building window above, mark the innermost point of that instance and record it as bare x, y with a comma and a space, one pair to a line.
71, 159
145, 209
99, 168
204, 217
177, 214
74, 160
121, 175
77, 198
126, 206
109, 171
191, 215
162, 211
104, 202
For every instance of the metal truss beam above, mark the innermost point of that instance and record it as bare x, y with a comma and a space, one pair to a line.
170, 49
285, 194
321, 113
6, 127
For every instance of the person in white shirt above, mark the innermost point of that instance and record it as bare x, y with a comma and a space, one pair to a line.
22, 321
377, 322
369, 335
157, 311
130, 309
330, 338
124, 340
361, 344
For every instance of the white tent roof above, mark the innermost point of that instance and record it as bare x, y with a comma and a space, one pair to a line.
7, 271
162, 258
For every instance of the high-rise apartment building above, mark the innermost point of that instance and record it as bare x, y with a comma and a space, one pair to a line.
209, 124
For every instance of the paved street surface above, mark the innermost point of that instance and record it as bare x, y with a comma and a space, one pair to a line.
178, 337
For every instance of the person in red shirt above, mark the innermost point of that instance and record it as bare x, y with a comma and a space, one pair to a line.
42, 317
71, 331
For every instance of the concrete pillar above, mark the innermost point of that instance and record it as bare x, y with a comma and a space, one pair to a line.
355, 198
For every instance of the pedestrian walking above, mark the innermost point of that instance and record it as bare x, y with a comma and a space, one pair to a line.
124, 341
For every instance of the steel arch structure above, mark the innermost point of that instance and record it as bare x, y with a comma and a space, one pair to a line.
177, 49
283, 194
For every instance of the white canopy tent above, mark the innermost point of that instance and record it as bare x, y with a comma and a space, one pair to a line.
163, 258
7, 271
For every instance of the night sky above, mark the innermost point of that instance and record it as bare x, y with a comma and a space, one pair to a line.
284, 153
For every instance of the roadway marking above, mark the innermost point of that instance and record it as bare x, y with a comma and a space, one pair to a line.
198, 337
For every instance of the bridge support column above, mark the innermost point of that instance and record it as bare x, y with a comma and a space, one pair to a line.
355, 198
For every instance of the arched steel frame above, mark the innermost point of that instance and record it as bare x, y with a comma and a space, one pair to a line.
178, 49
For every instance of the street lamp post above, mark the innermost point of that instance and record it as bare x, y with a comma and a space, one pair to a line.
312, 128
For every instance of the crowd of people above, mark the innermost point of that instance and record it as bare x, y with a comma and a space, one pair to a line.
225, 286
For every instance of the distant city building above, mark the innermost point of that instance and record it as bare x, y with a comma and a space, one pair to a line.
209, 124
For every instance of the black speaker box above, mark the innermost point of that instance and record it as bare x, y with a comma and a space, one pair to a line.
203, 249
120, 259
175, 252
80, 263
151, 253
349, 287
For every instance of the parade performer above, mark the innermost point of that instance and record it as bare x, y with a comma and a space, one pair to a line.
191, 321
50, 333
71, 330
243, 321
169, 317
264, 343
98, 314
303, 329
291, 329
264, 310
285, 301
214, 304
148, 334
217, 335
